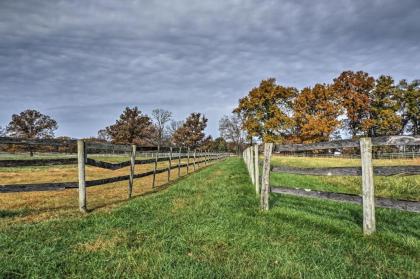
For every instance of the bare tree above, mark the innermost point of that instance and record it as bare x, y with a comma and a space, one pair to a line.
160, 117
230, 129
172, 127
2, 132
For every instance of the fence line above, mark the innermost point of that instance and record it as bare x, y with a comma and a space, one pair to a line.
84, 148
366, 171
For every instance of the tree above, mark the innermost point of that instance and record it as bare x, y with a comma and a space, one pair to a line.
409, 99
173, 126
354, 90
384, 107
191, 133
2, 132
132, 127
315, 113
230, 129
31, 124
266, 111
161, 117
103, 135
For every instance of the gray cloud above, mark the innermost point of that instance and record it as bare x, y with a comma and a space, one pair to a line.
83, 62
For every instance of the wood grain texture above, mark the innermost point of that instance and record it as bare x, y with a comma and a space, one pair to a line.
413, 206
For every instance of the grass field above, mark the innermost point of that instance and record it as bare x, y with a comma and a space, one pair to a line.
397, 187
208, 225
36, 206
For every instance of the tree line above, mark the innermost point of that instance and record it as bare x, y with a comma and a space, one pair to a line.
355, 104
132, 127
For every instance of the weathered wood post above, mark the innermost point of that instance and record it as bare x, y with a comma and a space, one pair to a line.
257, 170
188, 160
251, 164
132, 168
155, 167
81, 160
265, 183
368, 190
170, 164
194, 159
179, 162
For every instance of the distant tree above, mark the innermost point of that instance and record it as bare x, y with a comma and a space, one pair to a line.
409, 100
31, 124
384, 108
160, 117
230, 129
103, 135
191, 133
131, 127
354, 90
266, 111
2, 132
315, 113
173, 126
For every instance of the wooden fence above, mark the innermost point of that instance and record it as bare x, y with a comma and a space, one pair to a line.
366, 171
195, 159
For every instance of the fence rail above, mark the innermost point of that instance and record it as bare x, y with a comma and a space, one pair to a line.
366, 171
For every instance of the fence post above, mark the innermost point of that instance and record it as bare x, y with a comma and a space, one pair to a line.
155, 167
170, 164
251, 164
81, 160
368, 190
179, 162
265, 183
257, 170
132, 167
188, 160
194, 159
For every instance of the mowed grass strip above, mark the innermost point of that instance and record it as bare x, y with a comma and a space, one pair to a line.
396, 187
209, 226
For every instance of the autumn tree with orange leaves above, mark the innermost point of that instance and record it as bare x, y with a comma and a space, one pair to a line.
354, 89
266, 111
315, 113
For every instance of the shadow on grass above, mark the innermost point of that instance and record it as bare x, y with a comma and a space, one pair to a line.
342, 218
15, 213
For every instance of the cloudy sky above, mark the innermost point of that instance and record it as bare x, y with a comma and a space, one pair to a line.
83, 61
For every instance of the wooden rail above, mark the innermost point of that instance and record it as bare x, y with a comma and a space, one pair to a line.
377, 141
350, 171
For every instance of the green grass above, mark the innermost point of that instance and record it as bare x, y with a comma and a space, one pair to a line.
208, 225
397, 187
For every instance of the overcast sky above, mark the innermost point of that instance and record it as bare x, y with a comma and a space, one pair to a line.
82, 62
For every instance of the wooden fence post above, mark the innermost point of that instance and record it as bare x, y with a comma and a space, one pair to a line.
179, 162
188, 160
170, 164
257, 170
265, 183
81, 160
155, 167
368, 189
194, 159
251, 164
132, 167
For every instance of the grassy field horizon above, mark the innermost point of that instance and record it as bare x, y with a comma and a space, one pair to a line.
208, 225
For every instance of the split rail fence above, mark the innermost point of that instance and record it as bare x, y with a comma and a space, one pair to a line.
366, 171
172, 155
